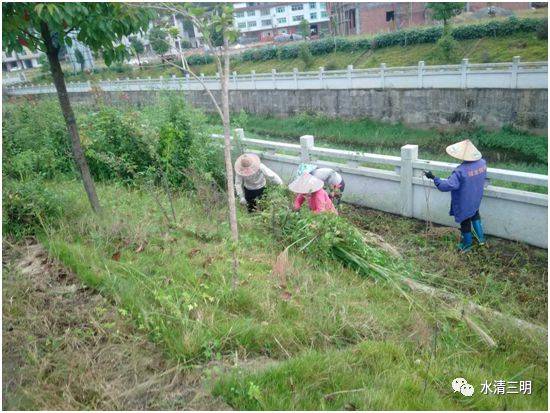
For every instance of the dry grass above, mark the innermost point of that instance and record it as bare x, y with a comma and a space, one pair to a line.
67, 348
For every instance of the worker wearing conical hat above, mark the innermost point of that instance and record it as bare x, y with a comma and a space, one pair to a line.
311, 189
466, 185
250, 179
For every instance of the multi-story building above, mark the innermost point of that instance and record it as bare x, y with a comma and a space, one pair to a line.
264, 21
376, 17
20, 60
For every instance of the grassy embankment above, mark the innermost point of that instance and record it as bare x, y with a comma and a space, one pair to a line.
503, 49
337, 332
328, 338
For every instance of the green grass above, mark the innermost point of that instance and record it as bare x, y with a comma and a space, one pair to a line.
485, 50
337, 332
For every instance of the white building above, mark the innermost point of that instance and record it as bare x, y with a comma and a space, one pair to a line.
263, 21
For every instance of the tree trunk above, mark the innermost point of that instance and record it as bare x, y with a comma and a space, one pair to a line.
224, 78
59, 81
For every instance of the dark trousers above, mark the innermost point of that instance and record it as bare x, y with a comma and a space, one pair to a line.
466, 225
252, 196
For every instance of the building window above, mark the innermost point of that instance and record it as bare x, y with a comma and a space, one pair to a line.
265, 12
241, 25
266, 22
297, 18
281, 20
313, 16
251, 13
312, 5
324, 14
323, 6
297, 7
239, 14
390, 15
281, 9
251, 24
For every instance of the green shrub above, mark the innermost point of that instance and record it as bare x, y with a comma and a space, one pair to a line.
184, 145
288, 51
542, 32
35, 140
26, 205
117, 146
198, 59
448, 47
305, 55
407, 37
330, 65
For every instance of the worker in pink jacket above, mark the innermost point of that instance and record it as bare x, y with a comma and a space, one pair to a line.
311, 189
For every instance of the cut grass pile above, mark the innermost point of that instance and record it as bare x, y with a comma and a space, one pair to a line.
336, 339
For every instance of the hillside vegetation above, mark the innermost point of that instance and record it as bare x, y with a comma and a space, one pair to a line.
485, 42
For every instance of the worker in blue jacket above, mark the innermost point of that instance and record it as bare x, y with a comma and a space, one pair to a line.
466, 184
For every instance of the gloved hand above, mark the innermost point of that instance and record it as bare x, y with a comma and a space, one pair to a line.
429, 174
243, 201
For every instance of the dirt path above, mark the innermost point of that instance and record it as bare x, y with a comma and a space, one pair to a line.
66, 347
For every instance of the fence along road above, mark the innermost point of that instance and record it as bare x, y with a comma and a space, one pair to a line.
513, 75
507, 213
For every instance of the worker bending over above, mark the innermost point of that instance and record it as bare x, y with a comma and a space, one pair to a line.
311, 189
466, 184
250, 179
333, 182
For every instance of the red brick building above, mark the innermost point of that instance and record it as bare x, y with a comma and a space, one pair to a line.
376, 17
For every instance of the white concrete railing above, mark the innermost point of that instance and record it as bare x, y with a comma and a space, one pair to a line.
514, 75
507, 213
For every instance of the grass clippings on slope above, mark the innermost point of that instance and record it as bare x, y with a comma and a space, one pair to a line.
328, 331
65, 347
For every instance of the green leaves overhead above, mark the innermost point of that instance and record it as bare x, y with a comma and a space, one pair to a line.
98, 25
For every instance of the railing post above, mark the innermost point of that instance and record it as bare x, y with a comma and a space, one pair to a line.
383, 75
89, 85
322, 77
253, 76
350, 78
295, 75
238, 139
160, 83
514, 74
274, 78
235, 84
409, 154
187, 81
421, 74
464, 74
307, 142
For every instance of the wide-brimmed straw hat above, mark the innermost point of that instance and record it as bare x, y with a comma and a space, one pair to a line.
306, 184
464, 150
247, 164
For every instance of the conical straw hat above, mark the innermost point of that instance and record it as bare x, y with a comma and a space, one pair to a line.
247, 164
464, 150
306, 184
